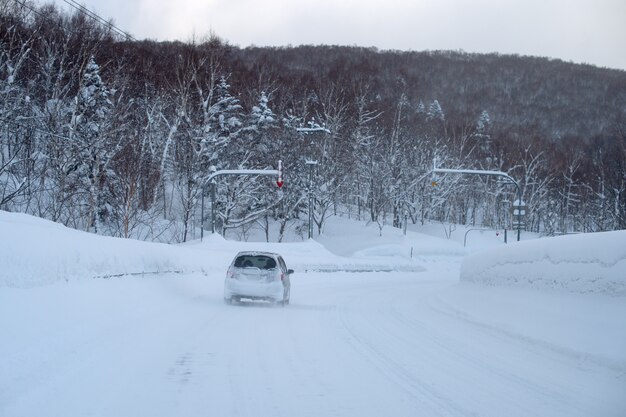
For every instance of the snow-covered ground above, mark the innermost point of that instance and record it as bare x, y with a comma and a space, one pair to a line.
378, 325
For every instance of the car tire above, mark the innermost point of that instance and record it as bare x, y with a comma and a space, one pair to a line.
228, 301
285, 300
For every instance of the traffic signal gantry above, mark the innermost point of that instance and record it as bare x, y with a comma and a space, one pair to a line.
519, 209
211, 181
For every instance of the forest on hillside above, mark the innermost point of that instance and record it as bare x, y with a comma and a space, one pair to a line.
118, 136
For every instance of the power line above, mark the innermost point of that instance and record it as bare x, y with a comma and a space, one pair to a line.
98, 19
30, 8
84, 11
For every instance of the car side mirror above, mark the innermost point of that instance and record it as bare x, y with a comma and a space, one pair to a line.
289, 271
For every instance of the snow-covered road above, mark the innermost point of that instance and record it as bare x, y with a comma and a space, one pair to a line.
366, 344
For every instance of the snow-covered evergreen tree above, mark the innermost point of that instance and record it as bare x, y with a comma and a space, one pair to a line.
90, 145
262, 116
435, 112
484, 123
259, 140
421, 109
483, 136
225, 115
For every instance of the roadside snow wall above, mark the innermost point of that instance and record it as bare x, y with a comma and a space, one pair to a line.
584, 263
36, 252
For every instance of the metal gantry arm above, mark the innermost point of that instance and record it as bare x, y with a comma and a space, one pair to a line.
483, 172
210, 181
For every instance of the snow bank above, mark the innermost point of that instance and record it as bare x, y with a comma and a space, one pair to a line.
585, 263
35, 252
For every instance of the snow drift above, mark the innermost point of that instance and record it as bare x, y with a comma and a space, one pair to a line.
35, 252
585, 263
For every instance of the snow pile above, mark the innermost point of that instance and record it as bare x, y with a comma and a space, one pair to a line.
585, 263
35, 252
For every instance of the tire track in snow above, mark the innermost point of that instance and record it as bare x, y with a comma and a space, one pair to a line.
421, 391
539, 346
470, 361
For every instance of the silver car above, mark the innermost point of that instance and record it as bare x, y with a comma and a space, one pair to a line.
258, 276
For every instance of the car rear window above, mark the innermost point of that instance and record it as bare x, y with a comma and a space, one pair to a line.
256, 261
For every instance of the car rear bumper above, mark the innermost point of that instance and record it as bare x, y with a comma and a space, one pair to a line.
271, 291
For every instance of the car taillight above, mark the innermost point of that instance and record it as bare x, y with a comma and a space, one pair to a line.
282, 276
230, 273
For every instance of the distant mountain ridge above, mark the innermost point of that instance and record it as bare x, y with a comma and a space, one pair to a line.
521, 93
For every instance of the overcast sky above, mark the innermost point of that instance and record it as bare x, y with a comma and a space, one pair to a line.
582, 31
